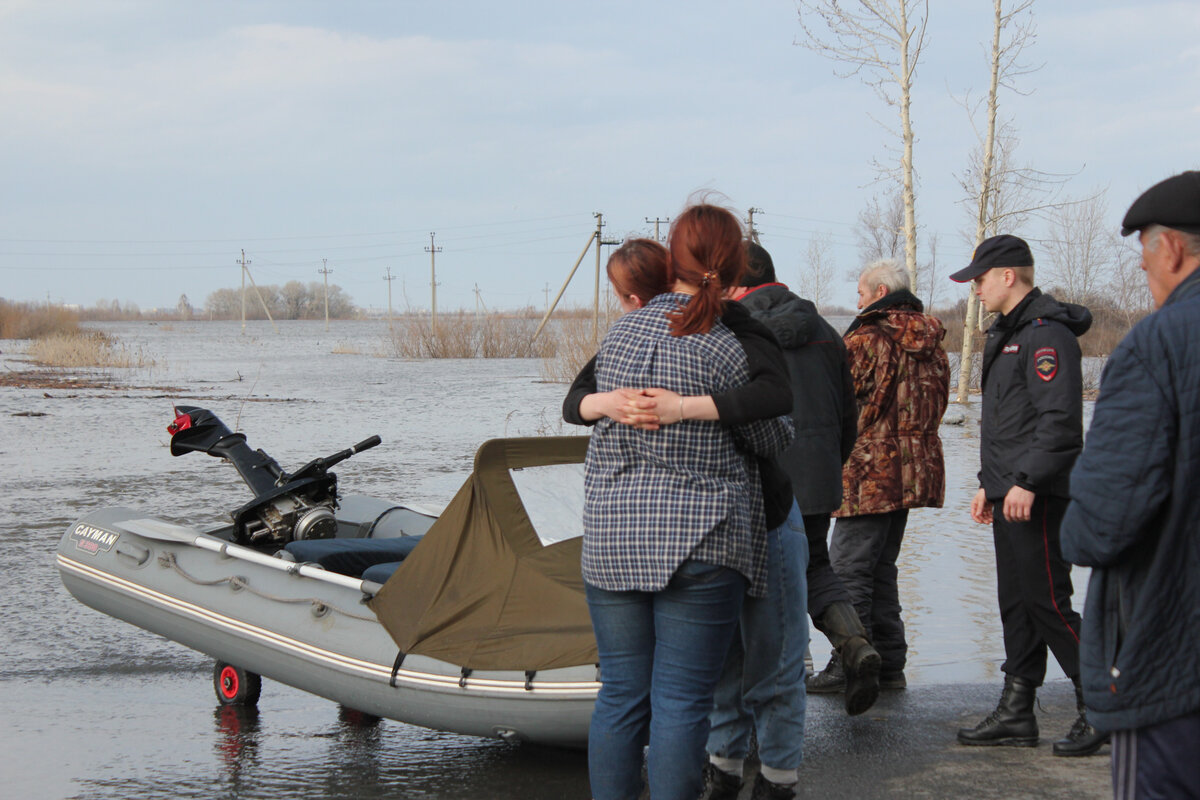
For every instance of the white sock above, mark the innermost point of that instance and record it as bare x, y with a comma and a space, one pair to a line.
785, 777
730, 766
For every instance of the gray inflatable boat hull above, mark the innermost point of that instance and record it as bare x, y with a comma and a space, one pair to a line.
305, 627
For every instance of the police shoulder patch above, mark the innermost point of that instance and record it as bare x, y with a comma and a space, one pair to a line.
1045, 363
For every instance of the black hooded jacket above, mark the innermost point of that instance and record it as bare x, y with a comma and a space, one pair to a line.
823, 406
1032, 397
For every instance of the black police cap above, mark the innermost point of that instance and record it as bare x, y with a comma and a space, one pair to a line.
999, 251
1173, 203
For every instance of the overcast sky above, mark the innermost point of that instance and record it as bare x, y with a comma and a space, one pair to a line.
144, 144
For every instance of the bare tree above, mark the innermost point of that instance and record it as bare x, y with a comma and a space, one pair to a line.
880, 231
1127, 284
816, 277
989, 197
1082, 251
880, 41
927, 274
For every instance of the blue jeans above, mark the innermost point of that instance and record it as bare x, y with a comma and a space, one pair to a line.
661, 655
763, 682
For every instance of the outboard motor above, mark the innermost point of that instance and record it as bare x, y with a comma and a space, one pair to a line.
286, 507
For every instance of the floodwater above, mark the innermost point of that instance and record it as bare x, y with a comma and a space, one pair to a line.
95, 708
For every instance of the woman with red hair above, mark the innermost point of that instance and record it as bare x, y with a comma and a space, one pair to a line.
673, 518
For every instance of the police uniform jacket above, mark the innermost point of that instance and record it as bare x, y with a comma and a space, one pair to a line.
1032, 397
1135, 503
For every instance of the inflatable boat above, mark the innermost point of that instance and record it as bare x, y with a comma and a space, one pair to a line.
471, 621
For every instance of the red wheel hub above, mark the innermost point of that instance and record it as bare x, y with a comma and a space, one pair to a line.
229, 682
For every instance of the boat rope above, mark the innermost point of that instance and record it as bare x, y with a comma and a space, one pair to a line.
396, 667
237, 583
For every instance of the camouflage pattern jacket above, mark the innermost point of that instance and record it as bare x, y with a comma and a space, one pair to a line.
901, 384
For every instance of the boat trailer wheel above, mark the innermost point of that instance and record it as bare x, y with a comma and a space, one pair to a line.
236, 686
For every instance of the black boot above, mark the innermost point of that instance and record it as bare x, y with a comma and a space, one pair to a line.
1012, 723
765, 790
829, 680
1082, 739
859, 662
719, 785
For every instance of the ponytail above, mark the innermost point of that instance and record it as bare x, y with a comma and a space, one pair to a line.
707, 253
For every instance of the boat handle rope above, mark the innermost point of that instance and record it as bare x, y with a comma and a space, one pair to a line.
400, 656
237, 583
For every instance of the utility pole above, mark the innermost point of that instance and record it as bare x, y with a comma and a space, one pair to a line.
750, 224
477, 301
433, 251
546, 291
325, 270
587, 246
389, 278
254, 286
600, 242
596, 305
656, 221
243, 262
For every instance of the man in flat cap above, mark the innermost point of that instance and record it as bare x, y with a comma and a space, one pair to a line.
1032, 431
1134, 516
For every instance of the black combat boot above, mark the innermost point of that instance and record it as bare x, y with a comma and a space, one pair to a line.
765, 790
719, 785
1082, 739
854, 668
1012, 723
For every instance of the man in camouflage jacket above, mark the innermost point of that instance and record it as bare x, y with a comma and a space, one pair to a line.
901, 384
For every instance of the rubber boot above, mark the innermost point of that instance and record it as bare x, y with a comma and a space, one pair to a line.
857, 670
719, 785
1012, 723
1082, 739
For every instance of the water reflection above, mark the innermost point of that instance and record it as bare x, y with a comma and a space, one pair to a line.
236, 741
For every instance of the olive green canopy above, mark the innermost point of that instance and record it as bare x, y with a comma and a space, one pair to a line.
481, 590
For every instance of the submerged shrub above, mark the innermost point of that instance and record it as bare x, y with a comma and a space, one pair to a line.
29, 321
85, 349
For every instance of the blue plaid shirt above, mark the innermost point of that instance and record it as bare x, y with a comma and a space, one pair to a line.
654, 499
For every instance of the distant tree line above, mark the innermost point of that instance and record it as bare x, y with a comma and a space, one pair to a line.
292, 300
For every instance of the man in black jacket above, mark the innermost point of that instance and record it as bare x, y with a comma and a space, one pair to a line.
826, 419
1032, 432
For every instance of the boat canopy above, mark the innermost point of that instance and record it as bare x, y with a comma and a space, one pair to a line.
485, 589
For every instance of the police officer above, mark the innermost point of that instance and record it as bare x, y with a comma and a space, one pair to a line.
1032, 431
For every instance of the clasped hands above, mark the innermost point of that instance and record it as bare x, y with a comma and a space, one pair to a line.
645, 409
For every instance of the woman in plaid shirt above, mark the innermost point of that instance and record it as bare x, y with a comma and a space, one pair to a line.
673, 520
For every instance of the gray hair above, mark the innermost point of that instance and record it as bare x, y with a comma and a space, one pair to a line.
1191, 241
885, 272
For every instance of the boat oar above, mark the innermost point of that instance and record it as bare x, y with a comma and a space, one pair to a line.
162, 531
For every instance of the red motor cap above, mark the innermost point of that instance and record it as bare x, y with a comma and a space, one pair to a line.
181, 423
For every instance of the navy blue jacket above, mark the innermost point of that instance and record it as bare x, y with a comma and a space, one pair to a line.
1134, 518
823, 406
1032, 397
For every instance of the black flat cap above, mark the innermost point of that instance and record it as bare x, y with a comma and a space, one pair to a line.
1174, 203
998, 251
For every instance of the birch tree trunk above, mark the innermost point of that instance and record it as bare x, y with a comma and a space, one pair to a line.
985, 191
